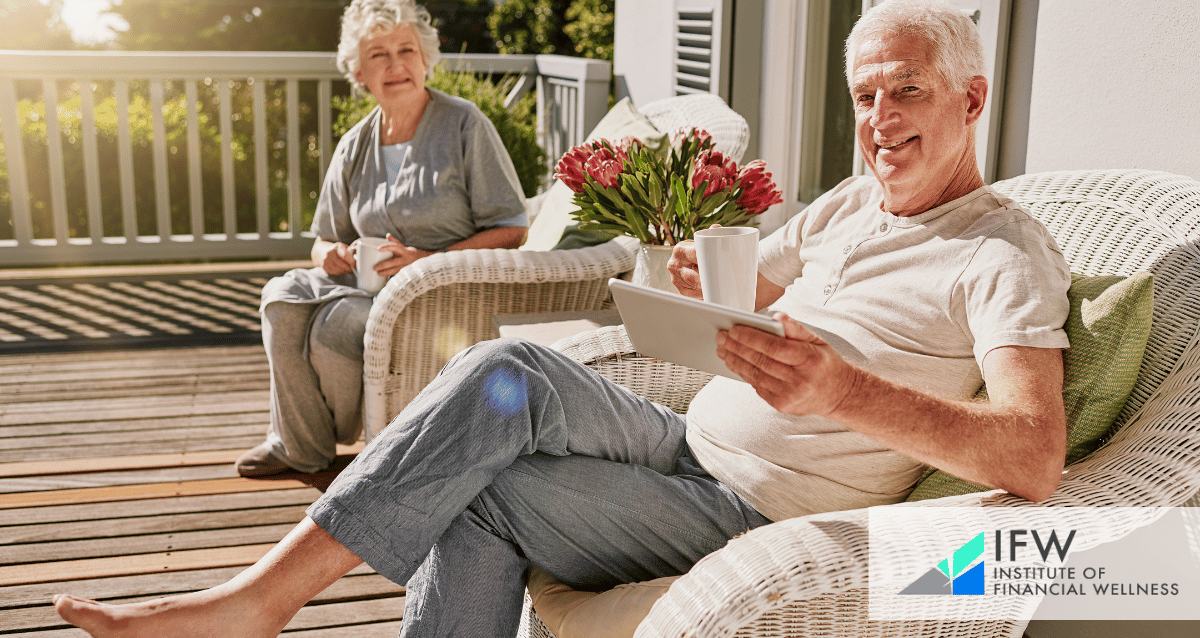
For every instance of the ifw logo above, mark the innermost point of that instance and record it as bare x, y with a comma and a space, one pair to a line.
954, 576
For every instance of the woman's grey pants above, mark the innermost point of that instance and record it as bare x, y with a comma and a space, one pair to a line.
517, 454
315, 353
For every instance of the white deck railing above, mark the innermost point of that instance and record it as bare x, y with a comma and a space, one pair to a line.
123, 196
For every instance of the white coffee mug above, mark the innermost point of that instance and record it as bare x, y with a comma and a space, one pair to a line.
728, 259
367, 255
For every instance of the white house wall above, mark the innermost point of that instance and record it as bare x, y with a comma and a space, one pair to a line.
644, 50
1116, 84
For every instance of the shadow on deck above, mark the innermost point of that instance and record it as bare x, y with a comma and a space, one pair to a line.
116, 464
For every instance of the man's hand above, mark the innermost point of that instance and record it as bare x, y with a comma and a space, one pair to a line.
685, 269
335, 258
798, 373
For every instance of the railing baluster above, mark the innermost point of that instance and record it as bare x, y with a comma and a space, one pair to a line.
91, 160
14, 157
195, 187
162, 193
125, 158
568, 89
324, 126
261, 185
293, 153
228, 194
58, 190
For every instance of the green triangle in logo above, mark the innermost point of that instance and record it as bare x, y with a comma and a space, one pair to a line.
965, 555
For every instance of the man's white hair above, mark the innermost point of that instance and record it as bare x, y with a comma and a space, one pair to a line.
364, 18
955, 47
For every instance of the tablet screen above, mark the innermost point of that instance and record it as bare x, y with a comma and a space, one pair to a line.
679, 329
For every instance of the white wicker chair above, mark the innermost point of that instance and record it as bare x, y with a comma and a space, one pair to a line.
808, 576
439, 305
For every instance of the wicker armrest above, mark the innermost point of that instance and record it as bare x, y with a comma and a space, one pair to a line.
609, 352
441, 304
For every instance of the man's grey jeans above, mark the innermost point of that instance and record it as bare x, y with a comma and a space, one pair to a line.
517, 454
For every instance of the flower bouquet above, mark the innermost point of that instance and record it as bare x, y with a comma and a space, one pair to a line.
663, 194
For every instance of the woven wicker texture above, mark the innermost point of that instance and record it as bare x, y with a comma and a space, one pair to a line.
704, 111
807, 576
440, 305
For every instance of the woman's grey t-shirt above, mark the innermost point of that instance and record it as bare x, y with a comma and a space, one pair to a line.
455, 180
917, 300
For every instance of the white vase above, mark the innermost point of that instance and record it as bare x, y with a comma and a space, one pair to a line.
650, 267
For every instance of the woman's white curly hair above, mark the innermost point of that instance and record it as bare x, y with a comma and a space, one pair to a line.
955, 46
365, 18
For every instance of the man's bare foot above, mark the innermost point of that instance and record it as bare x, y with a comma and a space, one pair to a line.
204, 614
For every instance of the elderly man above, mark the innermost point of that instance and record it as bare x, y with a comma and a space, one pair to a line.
515, 455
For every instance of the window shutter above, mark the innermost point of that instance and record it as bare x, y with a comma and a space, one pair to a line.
702, 47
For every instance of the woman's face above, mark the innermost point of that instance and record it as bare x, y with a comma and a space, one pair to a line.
391, 65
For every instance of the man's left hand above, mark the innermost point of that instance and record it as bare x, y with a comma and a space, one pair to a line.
798, 373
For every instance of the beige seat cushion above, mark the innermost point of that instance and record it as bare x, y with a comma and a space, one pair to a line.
555, 210
615, 613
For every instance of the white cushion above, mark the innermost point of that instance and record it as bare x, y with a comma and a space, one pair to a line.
556, 210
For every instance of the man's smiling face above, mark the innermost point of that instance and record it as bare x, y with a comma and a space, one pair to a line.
913, 130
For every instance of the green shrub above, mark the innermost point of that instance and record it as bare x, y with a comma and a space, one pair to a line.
517, 128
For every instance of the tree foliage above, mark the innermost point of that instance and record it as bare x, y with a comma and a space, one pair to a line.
530, 26
30, 24
590, 27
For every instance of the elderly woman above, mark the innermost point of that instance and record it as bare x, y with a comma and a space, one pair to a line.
424, 170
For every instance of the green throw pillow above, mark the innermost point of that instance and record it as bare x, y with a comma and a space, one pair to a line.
1108, 326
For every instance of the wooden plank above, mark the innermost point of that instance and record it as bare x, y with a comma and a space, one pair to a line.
359, 582
158, 507
170, 477
130, 427
159, 490
140, 462
117, 408
37, 555
127, 565
40, 614
99, 438
388, 629
349, 613
44, 534
149, 447
147, 461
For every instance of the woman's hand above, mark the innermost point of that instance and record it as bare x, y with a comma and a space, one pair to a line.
401, 256
335, 258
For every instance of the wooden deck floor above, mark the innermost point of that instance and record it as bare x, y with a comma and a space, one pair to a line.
117, 483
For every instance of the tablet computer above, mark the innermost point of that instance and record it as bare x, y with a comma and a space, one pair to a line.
680, 329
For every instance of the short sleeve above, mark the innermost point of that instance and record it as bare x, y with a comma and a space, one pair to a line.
1014, 291
495, 192
332, 222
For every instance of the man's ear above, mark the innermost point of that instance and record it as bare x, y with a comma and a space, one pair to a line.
977, 90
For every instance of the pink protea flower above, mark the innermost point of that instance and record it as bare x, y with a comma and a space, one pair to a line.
719, 171
571, 168
758, 189
605, 165
689, 134
625, 144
